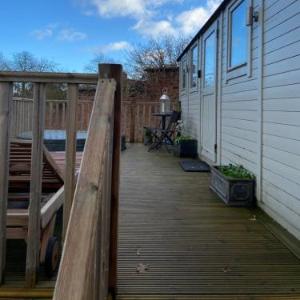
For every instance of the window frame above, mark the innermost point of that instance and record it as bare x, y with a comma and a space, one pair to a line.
194, 88
183, 65
212, 32
243, 69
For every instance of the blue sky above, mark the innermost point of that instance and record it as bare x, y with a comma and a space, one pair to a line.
72, 32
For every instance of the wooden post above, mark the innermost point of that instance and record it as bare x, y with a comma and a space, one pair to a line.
132, 121
114, 71
70, 153
33, 238
5, 102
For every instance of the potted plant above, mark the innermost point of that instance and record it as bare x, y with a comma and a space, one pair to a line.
185, 146
234, 184
147, 136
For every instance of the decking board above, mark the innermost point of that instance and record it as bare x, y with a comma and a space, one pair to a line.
193, 246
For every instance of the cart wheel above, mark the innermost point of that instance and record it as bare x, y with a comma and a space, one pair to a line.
52, 256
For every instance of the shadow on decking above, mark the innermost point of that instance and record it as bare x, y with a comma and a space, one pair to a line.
178, 238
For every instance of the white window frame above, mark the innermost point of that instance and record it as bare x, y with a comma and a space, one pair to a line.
195, 88
183, 64
244, 69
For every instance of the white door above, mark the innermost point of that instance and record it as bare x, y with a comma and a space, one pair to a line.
208, 95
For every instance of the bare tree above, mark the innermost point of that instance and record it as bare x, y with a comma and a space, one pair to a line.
4, 63
92, 66
26, 62
155, 53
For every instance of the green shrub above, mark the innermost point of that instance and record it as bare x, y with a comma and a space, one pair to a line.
180, 138
236, 172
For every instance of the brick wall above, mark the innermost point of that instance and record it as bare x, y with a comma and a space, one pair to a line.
141, 100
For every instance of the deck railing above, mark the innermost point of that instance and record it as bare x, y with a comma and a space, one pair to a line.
84, 269
97, 189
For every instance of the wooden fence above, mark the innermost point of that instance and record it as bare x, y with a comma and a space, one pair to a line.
135, 115
55, 115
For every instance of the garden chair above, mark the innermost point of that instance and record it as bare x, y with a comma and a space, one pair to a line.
164, 136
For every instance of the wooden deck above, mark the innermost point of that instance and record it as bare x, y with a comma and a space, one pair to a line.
177, 240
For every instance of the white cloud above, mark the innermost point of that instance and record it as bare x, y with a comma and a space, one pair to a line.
59, 32
71, 35
43, 33
112, 47
155, 29
123, 8
186, 23
152, 20
127, 8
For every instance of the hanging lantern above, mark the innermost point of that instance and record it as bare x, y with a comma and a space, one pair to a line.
165, 102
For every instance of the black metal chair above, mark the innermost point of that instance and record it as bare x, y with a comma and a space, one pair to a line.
164, 136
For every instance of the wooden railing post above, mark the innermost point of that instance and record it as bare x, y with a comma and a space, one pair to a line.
132, 121
70, 153
5, 103
33, 238
114, 71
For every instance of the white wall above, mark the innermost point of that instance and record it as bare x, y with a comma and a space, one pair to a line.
274, 89
281, 113
239, 106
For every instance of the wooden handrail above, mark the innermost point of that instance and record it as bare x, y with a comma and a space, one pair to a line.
83, 272
48, 77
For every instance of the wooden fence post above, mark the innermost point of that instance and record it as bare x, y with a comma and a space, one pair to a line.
114, 71
70, 153
132, 120
33, 238
5, 104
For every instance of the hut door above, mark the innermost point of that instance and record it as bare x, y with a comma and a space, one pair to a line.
208, 96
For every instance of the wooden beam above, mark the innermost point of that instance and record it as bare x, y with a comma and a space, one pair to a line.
24, 293
51, 207
70, 153
49, 77
78, 269
33, 239
132, 120
114, 71
5, 101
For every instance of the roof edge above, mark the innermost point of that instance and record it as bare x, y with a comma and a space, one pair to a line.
212, 18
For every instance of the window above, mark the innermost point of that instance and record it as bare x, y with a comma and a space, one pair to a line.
210, 60
238, 43
194, 67
183, 74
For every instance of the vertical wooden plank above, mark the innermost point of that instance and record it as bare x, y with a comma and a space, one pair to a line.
5, 102
33, 238
70, 153
132, 121
114, 71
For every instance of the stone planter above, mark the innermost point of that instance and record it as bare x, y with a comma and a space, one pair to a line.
186, 148
234, 192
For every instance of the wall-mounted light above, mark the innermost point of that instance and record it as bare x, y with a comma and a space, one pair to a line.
252, 16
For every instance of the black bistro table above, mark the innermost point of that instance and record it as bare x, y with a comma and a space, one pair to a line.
163, 117
159, 139
55, 140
